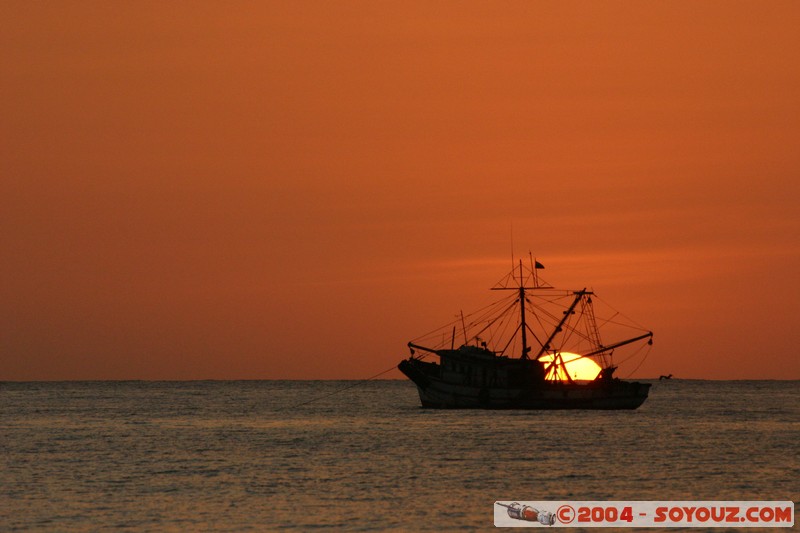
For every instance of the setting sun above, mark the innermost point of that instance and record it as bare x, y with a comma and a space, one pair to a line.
579, 367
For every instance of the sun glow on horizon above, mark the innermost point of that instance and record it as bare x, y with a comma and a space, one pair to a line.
579, 368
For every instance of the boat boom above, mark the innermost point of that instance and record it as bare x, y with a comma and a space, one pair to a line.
413, 347
567, 313
620, 343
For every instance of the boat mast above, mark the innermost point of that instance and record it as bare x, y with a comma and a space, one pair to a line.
523, 327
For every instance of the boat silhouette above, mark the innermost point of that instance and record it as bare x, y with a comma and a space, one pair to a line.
519, 352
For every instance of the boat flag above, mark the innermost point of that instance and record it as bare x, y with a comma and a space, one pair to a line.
537, 264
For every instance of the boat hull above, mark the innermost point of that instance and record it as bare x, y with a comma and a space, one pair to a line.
438, 393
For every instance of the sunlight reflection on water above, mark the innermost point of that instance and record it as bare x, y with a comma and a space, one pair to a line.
238, 455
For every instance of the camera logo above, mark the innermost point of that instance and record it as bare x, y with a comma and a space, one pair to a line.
529, 514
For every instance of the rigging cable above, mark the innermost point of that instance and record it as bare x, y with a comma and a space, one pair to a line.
487, 310
337, 391
632, 321
649, 347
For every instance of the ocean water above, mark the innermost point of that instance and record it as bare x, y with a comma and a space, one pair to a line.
245, 455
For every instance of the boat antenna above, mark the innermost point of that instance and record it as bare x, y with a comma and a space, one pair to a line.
464, 327
512, 246
533, 270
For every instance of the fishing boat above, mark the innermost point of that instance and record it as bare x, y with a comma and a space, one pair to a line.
536, 347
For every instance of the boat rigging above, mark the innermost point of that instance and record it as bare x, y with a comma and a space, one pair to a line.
518, 352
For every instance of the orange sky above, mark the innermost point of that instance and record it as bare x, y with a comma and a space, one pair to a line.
296, 189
